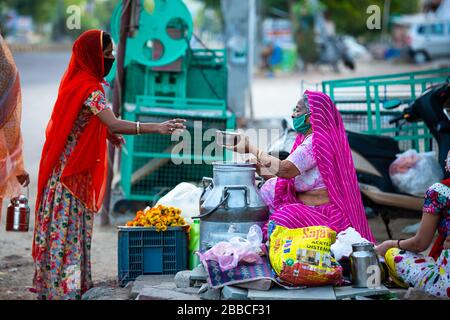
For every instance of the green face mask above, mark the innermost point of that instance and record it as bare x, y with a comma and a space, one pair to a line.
300, 124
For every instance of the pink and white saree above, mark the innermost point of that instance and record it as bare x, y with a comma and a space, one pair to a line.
335, 163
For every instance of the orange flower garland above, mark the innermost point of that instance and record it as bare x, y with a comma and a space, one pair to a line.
160, 217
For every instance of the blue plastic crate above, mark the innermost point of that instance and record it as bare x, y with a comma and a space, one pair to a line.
143, 250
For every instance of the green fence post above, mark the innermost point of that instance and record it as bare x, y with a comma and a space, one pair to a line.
377, 109
369, 108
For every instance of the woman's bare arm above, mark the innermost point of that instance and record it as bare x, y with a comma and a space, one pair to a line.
270, 165
424, 236
420, 242
118, 126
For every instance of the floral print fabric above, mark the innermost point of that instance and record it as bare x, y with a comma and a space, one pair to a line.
437, 202
64, 226
421, 272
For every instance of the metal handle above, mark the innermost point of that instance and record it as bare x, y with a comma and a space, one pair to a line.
239, 187
224, 199
259, 182
211, 183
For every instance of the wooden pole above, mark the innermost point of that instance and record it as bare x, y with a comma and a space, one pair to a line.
125, 22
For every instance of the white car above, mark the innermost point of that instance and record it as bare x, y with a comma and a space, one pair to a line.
429, 39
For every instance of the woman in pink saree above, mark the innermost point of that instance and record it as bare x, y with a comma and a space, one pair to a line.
316, 185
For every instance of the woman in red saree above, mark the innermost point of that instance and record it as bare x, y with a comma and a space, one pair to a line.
12, 173
72, 172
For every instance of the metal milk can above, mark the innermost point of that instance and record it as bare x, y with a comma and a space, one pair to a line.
18, 214
366, 271
230, 203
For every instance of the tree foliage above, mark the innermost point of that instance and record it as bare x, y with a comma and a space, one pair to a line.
349, 15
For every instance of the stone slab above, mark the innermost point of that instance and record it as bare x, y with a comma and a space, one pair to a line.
152, 293
416, 294
400, 292
208, 293
199, 273
182, 279
149, 281
107, 293
261, 284
350, 292
277, 293
234, 293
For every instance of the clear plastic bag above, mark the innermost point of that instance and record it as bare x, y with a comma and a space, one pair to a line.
414, 173
228, 254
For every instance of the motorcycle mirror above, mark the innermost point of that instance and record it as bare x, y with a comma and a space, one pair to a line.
391, 104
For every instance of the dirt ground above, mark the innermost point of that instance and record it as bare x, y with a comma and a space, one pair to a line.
17, 269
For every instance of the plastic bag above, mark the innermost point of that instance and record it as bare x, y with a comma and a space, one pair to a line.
302, 257
343, 245
414, 173
229, 254
185, 196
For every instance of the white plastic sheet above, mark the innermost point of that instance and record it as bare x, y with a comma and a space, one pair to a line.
186, 197
343, 244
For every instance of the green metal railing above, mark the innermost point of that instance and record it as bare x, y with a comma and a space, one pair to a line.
360, 101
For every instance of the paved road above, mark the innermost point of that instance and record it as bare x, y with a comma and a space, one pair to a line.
40, 75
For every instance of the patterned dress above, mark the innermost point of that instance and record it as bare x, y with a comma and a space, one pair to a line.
423, 272
64, 226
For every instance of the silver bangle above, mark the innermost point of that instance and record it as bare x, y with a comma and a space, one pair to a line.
138, 128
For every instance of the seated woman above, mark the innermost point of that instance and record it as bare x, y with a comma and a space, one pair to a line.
316, 184
407, 267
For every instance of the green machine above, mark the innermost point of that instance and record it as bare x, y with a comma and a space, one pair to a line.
164, 78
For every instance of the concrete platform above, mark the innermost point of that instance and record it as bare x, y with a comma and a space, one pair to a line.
277, 293
350, 292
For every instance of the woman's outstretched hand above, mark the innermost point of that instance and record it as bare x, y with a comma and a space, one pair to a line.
171, 126
116, 139
385, 246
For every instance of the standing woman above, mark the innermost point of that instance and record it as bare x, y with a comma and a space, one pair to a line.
73, 168
12, 173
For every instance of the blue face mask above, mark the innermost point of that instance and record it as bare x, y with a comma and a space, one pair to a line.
300, 124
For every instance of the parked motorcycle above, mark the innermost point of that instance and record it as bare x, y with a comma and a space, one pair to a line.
373, 154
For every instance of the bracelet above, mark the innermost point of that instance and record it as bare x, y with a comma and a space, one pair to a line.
398, 243
138, 128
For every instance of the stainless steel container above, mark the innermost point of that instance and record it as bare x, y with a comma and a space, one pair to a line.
227, 138
366, 271
230, 203
18, 214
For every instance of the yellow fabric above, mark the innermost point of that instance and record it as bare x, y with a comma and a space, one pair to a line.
389, 258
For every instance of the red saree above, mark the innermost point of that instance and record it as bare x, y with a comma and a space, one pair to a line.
89, 159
